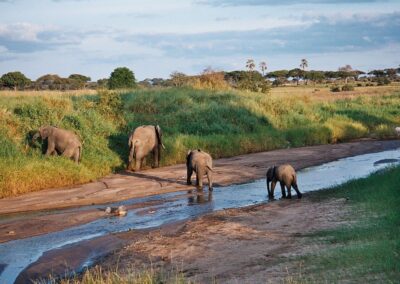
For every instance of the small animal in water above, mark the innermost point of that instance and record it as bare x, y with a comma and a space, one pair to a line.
119, 211
397, 129
286, 176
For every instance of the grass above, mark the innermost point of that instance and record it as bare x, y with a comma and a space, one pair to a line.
99, 275
225, 123
368, 250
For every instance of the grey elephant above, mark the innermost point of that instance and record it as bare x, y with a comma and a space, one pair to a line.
200, 162
143, 140
60, 141
286, 176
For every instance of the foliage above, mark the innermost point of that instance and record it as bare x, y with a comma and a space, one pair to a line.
335, 88
14, 80
225, 123
367, 250
383, 81
122, 78
178, 79
347, 87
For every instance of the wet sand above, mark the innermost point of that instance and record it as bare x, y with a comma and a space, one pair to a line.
255, 244
129, 185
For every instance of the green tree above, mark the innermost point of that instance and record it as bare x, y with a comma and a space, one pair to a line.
303, 66
178, 79
78, 81
296, 73
122, 77
315, 76
15, 80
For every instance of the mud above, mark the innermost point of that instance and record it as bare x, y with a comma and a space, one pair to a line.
248, 245
17, 223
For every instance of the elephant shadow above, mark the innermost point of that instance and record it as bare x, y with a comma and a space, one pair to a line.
118, 143
154, 178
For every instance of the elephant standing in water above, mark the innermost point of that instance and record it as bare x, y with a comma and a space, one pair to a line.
143, 140
286, 176
60, 141
201, 163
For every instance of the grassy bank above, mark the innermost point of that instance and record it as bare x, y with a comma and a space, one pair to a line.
368, 250
224, 123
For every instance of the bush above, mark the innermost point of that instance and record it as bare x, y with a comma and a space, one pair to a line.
383, 81
122, 78
347, 87
335, 88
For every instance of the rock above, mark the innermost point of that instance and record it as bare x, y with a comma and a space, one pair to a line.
108, 210
397, 129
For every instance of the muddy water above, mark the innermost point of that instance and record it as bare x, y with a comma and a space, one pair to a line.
162, 209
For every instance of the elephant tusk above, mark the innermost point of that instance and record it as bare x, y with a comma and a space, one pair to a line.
162, 145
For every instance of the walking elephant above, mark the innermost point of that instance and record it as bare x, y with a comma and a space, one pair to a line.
60, 141
286, 176
143, 140
201, 163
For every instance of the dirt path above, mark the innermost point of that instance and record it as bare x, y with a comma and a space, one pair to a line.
247, 245
156, 181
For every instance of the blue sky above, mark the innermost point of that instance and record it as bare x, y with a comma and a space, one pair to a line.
157, 37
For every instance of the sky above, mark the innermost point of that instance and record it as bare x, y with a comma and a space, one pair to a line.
156, 37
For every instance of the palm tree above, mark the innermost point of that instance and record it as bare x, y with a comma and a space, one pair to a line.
304, 64
250, 64
263, 67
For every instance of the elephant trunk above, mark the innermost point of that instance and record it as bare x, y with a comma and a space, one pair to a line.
269, 191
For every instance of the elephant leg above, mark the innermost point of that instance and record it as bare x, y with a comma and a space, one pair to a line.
130, 160
51, 147
273, 184
138, 163
68, 152
75, 155
299, 195
143, 162
283, 189
210, 177
199, 178
156, 155
189, 175
289, 191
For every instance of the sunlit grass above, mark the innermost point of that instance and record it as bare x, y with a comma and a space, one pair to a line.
225, 123
367, 250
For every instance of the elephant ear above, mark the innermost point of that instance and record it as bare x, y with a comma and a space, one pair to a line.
159, 135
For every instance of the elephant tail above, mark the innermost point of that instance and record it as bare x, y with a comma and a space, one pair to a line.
209, 166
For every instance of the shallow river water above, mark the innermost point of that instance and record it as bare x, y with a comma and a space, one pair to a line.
16, 255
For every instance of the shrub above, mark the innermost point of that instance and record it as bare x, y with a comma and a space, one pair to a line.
335, 88
383, 81
347, 87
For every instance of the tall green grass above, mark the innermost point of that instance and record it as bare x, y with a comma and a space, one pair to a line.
368, 250
225, 123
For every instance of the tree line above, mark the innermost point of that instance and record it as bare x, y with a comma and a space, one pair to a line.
249, 79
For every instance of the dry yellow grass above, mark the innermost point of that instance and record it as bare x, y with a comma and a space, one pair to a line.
47, 93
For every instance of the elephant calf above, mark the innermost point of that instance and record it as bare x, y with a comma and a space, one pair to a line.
201, 163
286, 176
60, 141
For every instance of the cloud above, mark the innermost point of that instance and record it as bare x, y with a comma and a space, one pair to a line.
27, 37
278, 3
349, 34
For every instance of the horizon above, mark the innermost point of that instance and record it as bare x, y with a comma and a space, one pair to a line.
155, 38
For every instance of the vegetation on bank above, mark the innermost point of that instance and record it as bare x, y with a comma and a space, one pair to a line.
225, 123
367, 250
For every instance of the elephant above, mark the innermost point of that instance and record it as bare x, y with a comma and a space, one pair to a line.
143, 140
60, 141
201, 163
286, 176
